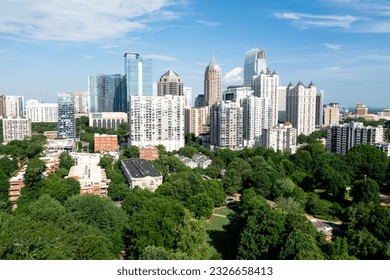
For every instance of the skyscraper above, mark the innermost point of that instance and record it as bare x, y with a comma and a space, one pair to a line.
301, 107
138, 74
266, 85
212, 84
170, 84
14, 107
319, 108
66, 116
107, 93
41, 112
255, 62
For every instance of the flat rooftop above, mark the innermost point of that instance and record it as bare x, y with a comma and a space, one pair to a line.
138, 168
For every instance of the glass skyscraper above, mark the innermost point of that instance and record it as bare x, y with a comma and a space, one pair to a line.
255, 63
66, 116
138, 74
107, 93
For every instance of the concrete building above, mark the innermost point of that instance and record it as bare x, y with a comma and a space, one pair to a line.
212, 83
201, 160
170, 84
197, 120
105, 143
2, 106
108, 120
237, 93
319, 109
16, 129
148, 153
187, 92
341, 138
16, 183
281, 104
157, 120
92, 179
331, 114
14, 107
266, 85
187, 161
282, 137
384, 147
41, 112
301, 107
141, 173
61, 145
226, 125
361, 109
66, 116
50, 134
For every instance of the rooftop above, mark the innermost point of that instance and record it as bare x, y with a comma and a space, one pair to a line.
139, 168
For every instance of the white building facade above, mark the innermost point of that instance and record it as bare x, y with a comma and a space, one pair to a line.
16, 129
301, 107
282, 137
155, 120
41, 112
14, 107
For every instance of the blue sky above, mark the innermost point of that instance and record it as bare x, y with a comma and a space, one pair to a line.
49, 46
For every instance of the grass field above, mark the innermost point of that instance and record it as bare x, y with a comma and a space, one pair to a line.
218, 237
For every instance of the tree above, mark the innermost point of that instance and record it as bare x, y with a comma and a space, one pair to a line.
300, 245
232, 182
366, 160
131, 152
366, 191
201, 205
58, 188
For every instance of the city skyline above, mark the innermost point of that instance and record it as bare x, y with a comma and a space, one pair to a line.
340, 45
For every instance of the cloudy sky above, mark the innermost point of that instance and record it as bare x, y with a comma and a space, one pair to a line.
49, 46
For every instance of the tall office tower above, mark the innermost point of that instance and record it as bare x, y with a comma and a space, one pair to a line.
188, 96
170, 84
319, 109
255, 63
236, 93
266, 85
282, 137
41, 112
66, 117
107, 93
14, 107
197, 120
2, 106
139, 76
331, 114
16, 129
341, 138
301, 107
256, 117
84, 106
199, 101
226, 122
281, 104
155, 120
212, 84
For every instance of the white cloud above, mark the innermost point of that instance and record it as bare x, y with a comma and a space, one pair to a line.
234, 77
208, 23
160, 57
79, 20
309, 20
333, 46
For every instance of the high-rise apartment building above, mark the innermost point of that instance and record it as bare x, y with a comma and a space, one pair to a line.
361, 109
319, 109
237, 93
331, 114
197, 120
266, 85
14, 107
226, 125
341, 138
2, 106
80, 100
170, 84
188, 96
155, 120
107, 93
41, 112
301, 107
256, 117
255, 62
199, 101
282, 104
282, 137
66, 116
139, 76
16, 129
212, 83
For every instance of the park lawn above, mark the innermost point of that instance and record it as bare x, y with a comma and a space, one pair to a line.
218, 237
